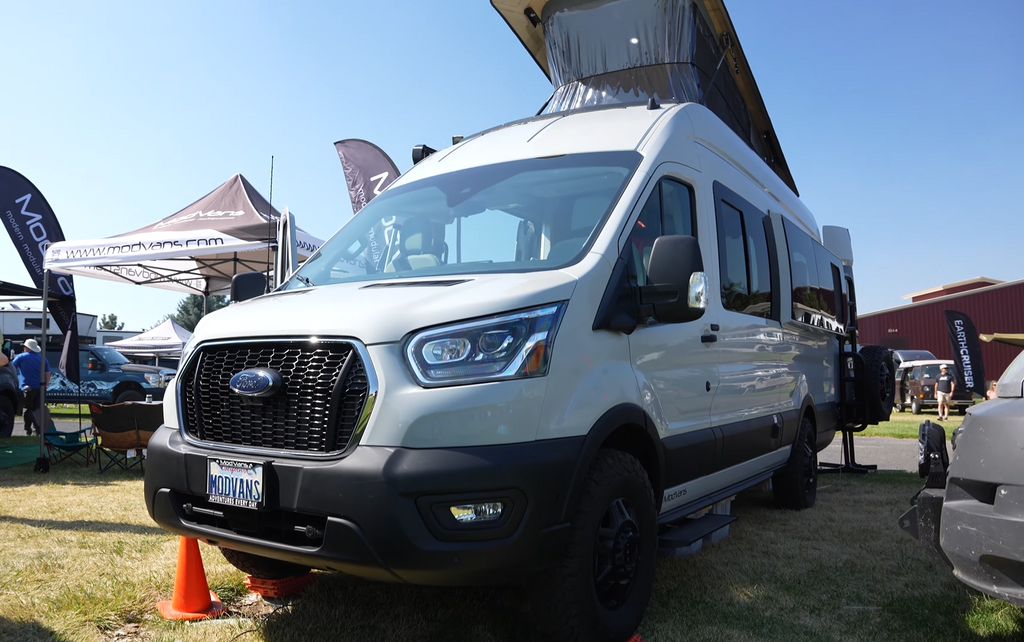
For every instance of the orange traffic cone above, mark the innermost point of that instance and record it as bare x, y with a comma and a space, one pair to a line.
192, 599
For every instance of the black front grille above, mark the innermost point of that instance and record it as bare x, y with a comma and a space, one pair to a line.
316, 410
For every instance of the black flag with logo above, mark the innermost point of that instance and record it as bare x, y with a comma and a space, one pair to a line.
970, 372
368, 171
32, 225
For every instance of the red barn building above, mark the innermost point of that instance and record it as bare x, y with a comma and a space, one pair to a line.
993, 306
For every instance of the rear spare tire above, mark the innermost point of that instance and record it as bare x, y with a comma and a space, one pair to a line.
881, 390
600, 589
264, 568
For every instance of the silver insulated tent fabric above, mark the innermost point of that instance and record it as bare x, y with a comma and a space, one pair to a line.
197, 250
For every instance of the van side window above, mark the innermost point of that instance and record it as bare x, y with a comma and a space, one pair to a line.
743, 257
818, 296
668, 210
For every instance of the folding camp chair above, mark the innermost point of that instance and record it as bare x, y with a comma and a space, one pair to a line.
123, 431
74, 446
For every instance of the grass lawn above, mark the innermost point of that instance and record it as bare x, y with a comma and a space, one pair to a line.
83, 562
905, 425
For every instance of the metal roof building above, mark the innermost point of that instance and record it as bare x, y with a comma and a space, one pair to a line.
993, 306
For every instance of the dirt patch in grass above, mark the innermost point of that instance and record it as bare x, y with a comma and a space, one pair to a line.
83, 562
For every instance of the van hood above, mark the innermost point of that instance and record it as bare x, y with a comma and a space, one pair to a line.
384, 311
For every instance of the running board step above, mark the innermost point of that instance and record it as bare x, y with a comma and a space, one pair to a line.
694, 530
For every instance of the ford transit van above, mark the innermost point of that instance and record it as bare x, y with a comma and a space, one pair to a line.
525, 362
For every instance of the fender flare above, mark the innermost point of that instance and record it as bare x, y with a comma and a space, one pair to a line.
626, 414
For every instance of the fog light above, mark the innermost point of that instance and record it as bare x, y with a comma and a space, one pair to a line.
473, 513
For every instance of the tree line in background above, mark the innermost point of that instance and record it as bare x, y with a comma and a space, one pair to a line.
188, 314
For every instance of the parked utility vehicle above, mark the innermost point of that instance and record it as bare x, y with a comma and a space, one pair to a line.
531, 356
106, 376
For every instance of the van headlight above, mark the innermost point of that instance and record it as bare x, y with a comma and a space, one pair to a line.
510, 346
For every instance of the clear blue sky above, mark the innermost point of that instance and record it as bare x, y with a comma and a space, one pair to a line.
900, 120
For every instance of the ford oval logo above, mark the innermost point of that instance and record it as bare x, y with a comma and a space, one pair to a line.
256, 382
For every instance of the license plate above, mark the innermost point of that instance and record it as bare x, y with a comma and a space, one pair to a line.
235, 483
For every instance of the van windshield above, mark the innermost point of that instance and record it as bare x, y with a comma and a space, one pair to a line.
520, 216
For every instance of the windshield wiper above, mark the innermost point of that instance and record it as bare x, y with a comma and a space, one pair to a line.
303, 280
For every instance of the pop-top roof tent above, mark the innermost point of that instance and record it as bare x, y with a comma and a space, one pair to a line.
197, 250
166, 338
602, 52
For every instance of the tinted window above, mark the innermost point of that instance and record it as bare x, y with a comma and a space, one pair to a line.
732, 258
803, 273
818, 296
760, 271
826, 285
742, 255
668, 211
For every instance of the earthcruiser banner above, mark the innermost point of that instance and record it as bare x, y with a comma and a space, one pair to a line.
963, 338
30, 221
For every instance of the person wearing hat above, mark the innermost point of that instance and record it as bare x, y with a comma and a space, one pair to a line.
29, 364
944, 387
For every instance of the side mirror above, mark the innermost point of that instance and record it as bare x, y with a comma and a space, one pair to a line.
248, 285
96, 365
678, 287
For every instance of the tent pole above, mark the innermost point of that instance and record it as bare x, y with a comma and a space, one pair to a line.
43, 461
205, 299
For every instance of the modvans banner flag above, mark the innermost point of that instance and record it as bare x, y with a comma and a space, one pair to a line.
970, 372
368, 172
30, 221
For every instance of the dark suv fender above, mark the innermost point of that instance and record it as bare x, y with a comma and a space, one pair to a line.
625, 427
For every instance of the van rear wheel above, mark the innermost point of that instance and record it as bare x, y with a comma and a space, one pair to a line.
796, 485
600, 590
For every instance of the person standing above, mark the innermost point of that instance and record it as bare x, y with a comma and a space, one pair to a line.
944, 387
29, 364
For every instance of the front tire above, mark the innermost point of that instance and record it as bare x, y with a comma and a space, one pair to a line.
796, 486
915, 406
264, 568
129, 395
600, 590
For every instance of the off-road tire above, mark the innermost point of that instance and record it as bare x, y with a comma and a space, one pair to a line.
6, 417
129, 395
796, 486
571, 603
915, 406
880, 384
264, 568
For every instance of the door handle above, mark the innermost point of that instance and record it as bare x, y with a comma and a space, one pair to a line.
714, 327
708, 338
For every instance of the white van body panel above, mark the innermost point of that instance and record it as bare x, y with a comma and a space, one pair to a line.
386, 314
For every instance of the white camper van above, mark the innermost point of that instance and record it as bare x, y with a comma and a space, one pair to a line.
530, 357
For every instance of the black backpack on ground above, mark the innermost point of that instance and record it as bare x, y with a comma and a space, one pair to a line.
932, 458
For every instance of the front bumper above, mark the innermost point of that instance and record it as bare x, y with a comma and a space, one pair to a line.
379, 512
982, 527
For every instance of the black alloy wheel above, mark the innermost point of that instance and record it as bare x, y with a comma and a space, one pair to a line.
616, 553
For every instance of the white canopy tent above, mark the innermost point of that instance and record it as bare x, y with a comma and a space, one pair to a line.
197, 250
165, 339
